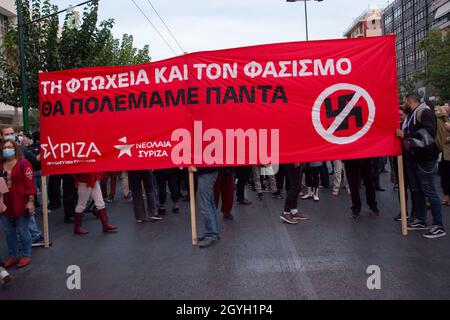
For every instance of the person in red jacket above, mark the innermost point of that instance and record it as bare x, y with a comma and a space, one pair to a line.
88, 184
19, 202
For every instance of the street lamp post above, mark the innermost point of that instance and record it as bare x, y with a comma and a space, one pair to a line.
306, 14
23, 73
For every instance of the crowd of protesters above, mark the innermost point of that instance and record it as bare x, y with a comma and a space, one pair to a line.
424, 131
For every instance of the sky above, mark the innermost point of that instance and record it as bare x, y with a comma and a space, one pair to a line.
202, 25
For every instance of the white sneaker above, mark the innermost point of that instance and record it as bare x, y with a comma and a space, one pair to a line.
5, 278
316, 195
308, 195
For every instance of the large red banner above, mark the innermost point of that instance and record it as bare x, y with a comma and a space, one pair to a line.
276, 103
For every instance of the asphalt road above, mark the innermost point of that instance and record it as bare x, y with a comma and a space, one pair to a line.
259, 257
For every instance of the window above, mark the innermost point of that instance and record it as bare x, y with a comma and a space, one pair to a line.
397, 12
3, 24
388, 19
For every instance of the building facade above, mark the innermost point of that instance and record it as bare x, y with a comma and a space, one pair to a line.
410, 20
368, 24
442, 15
7, 16
8, 114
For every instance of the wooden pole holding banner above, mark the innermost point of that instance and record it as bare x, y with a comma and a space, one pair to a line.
45, 212
401, 185
192, 203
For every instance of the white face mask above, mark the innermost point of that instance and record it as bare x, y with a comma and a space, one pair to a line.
20, 138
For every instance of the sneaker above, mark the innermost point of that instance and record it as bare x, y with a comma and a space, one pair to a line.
5, 278
435, 232
245, 202
417, 225
399, 218
39, 242
161, 211
316, 196
228, 216
176, 209
277, 195
335, 193
260, 196
299, 216
307, 196
110, 200
206, 242
287, 217
139, 221
156, 218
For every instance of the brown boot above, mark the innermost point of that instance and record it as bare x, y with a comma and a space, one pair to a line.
107, 228
78, 229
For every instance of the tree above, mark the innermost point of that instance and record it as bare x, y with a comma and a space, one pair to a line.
437, 72
89, 43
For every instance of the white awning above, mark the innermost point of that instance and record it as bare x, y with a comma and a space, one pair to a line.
442, 10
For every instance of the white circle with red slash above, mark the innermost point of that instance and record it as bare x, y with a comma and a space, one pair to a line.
329, 134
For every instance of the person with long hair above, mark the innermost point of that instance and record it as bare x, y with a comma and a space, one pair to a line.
19, 203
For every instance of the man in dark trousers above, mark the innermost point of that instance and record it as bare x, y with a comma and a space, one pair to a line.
291, 215
421, 165
357, 170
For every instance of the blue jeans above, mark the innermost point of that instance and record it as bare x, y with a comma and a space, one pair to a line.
17, 226
207, 205
34, 229
38, 183
422, 180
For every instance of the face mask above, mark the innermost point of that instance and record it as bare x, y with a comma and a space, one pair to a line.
9, 153
20, 139
11, 137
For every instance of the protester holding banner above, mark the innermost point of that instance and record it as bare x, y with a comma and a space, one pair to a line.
291, 215
267, 171
312, 177
19, 202
242, 176
138, 179
223, 190
110, 177
88, 184
338, 176
168, 177
405, 180
357, 170
418, 133
282, 180
206, 205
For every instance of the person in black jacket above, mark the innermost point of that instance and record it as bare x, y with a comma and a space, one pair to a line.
421, 165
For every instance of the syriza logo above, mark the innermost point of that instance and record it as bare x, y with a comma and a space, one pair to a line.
146, 149
75, 151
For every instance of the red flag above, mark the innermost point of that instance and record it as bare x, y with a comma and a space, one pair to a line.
276, 103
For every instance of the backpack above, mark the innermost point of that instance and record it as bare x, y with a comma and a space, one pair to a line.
441, 132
